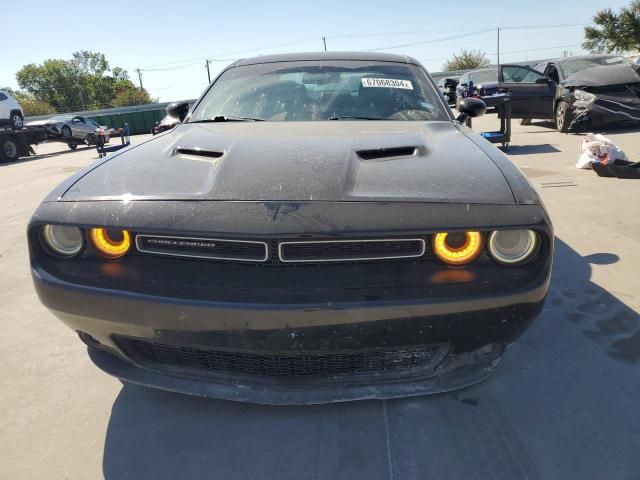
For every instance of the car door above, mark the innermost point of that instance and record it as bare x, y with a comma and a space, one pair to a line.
532, 93
80, 127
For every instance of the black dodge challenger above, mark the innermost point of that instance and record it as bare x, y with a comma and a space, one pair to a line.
319, 228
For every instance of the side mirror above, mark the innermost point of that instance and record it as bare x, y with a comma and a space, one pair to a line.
178, 110
471, 108
543, 81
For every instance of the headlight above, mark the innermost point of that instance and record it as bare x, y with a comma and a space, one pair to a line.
457, 248
62, 240
583, 96
512, 247
111, 243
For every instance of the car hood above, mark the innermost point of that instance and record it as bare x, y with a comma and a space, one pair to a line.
300, 161
603, 75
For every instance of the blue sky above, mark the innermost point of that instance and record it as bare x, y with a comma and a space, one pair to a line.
181, 34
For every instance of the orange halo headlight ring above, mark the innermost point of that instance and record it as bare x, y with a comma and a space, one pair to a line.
457, 249
110, 243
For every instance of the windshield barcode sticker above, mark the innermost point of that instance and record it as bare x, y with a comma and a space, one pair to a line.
387, 83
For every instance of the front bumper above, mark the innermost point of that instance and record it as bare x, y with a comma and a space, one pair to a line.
467, 370
605, 110
364, 329
463, 328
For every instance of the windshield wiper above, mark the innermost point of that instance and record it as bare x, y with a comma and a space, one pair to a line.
228, 118
354, 117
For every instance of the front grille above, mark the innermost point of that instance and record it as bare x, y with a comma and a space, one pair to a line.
211, 248
350, 250
284, 252
287, 365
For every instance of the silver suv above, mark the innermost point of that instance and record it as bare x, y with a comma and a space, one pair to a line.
10, 111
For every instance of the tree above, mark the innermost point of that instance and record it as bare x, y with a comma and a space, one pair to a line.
84, 82
614, 33
33, 107
131, 96
467, 60
54, 82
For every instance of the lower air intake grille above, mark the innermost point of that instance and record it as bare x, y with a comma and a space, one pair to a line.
290, 365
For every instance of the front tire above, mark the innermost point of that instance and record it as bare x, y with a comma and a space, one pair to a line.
16, 120
72, 145
563, 116
66, 132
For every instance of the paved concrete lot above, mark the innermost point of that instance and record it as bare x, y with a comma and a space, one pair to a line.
563, 404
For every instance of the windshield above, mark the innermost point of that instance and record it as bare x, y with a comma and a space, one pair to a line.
312, 91
482, 76
572, 66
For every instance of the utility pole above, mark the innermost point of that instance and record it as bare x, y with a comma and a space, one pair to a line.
208, 73
324, 41
139, 77
498, 46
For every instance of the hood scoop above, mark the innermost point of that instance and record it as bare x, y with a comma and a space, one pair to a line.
393, 152
199, 152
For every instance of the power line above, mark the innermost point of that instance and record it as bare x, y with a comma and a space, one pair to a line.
179, 64
269, 47
166, 69
436, 40
540, 49
533, 27
169, 87
199, 59
387, 34
431, 30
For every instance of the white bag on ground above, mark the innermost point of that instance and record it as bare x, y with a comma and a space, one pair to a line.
598, 148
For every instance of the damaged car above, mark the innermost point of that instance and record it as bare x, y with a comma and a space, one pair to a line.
318, 228
578, 93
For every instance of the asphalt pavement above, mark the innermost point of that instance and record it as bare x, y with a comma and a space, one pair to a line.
563, 403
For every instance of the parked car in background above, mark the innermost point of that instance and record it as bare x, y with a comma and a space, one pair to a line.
319, 228
73, 129
10, 111
576, 92
447, 87
167, 123
477, 83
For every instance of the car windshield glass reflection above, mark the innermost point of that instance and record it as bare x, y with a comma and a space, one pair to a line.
61, 118
308, 91
576, 65
484, 76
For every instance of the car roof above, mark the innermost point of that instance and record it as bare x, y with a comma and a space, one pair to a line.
319, 56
